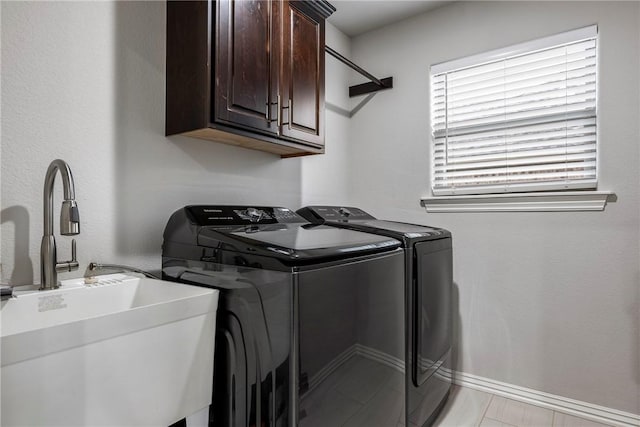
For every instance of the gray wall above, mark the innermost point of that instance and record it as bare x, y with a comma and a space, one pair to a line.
548, 301
84, 81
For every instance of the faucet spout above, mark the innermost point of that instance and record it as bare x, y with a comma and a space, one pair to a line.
69, 224
69, 193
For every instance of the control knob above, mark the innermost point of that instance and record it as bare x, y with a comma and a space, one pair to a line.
344, 212
254, 214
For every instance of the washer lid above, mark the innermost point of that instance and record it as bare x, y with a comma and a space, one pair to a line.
357, 219
301, 237
407, 230
295, 241
261, 231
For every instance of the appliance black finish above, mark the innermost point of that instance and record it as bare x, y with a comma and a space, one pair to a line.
305, 312
428, 281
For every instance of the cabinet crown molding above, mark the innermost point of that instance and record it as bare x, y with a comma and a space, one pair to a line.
322, 7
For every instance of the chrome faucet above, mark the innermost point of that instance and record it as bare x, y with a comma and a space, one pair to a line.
69, 225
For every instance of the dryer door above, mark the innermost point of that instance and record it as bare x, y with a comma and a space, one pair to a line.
432, 307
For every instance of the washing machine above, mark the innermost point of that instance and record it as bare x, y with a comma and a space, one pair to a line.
310, 327
428, 283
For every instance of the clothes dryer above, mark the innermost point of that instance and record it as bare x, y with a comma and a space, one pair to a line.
428, 314
310, 318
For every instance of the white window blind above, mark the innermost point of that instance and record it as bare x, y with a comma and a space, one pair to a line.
518, 119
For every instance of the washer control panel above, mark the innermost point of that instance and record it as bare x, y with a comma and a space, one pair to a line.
208, 215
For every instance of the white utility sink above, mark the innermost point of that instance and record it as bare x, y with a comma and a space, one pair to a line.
124, 351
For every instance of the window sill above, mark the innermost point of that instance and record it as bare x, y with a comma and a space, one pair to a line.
570, 201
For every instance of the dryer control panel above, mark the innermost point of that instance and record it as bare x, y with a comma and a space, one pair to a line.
210, 215
334, 213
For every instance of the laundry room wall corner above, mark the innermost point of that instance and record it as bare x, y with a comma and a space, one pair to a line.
547, 299
325, 178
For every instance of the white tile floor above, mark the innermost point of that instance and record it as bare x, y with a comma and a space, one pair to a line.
359, 393
365, 393
473, 408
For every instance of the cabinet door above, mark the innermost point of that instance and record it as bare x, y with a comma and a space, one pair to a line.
302, 79
246, 66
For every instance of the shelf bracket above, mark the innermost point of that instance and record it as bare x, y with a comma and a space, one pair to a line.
373, 86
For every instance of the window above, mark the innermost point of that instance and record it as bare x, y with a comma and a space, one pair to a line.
517, 119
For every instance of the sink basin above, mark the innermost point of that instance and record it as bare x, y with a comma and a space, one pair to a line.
122, 351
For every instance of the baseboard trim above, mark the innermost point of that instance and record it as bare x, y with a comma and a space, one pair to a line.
577, 408
330, 367
355, 350
380, 357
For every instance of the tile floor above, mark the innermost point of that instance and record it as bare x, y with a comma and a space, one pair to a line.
359, 393
365, 393
473, 408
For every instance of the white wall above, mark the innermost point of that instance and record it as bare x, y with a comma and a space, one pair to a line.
84, 81
326, 178
548, 301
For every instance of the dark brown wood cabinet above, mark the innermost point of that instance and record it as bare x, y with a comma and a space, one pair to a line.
248, 73
302, 77
246, 64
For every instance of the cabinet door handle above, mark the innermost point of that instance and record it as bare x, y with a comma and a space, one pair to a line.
290, 113
268, 113
278, 119
288, 107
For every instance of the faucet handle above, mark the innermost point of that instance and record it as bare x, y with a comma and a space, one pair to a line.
73, 251
69, 265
